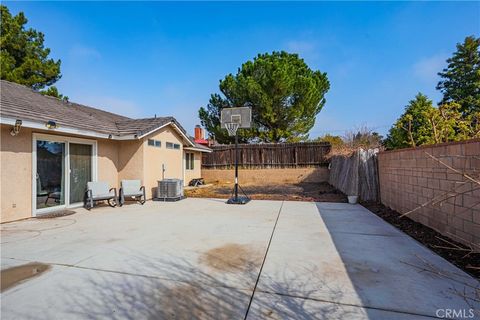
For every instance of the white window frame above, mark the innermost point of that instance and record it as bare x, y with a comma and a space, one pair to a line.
67, 141
154, 143
189, 161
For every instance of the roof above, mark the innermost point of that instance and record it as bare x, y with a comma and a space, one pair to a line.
23, 103
201, 141
198, 147
141, 127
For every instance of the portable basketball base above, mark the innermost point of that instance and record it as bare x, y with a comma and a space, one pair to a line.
232, 119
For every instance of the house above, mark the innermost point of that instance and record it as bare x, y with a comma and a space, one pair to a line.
51, 148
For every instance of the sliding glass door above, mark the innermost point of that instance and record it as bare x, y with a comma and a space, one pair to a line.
62, 168
80, 170
50, 175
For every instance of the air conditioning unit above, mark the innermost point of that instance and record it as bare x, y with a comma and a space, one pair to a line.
169, 190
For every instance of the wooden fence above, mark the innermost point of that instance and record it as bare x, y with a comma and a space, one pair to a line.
268, 155
357, 174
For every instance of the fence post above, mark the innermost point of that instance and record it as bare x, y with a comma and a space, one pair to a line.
296, 156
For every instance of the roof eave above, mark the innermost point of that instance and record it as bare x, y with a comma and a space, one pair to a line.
90, 133
198, 149
65, 129
174, 125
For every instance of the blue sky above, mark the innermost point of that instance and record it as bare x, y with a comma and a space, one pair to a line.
146, 58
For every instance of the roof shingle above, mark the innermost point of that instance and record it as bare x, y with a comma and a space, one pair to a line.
20, 102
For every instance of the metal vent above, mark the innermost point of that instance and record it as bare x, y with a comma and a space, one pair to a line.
170, 190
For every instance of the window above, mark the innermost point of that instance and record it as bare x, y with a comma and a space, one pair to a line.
171, 145
154, 143
189, 159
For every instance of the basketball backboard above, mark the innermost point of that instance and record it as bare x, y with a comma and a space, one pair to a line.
240, 115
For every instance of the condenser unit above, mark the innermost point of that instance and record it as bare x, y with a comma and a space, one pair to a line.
169, 190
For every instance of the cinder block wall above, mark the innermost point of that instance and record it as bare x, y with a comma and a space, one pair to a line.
268, 176
410, 178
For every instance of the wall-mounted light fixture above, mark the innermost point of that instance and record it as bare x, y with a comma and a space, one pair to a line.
51, 125
16, 128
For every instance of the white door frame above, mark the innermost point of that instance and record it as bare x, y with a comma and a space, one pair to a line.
184, 165
67, 141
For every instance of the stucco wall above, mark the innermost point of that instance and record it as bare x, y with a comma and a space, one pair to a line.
15, 174
130, 160
265, 176
107, 151
155, 157
197, 164
16, 170
409, 178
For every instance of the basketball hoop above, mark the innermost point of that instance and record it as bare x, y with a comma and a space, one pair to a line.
232, 119
232, 128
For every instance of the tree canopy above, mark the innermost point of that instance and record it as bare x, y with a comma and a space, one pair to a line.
335, 141
413, 127
53, 92
284, 93
461, 78
422, 123
24, 58
457, 117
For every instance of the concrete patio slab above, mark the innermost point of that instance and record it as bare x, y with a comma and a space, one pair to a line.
354, 258
357, 221
74, 293
201, 258
159, 239
274, 306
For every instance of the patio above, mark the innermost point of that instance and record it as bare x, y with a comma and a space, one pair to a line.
199, 258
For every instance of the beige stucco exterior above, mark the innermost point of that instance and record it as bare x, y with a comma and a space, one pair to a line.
157, 157
197, 171
16, 175
107, 161
130, 160
116, 160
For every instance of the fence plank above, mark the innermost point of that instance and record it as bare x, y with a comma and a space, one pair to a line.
268, 155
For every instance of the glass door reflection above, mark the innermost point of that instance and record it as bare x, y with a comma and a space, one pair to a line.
80, 170
50, 187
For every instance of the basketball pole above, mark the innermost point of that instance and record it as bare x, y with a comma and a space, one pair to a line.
233, 119
236, 166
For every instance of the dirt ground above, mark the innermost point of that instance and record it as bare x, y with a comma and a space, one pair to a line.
455, 252
306, 191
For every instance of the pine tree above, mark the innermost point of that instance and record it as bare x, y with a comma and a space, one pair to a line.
461, 78
24, 59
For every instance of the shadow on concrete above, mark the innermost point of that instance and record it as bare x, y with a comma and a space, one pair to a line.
390, 271
294, 297
181, 290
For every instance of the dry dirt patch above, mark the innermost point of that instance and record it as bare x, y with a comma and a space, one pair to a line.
305, 191
12, 276
231, 257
